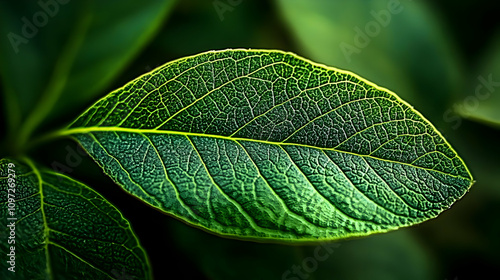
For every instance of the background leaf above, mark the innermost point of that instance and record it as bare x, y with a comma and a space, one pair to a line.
399, 45
266, 145
69, 57
482, 102
65, 230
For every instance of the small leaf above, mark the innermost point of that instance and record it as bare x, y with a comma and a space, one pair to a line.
63, 229
261, 145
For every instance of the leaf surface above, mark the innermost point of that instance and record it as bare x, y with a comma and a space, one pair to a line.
63, 229
266, 145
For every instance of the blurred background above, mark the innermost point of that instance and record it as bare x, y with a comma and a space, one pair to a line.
443, 57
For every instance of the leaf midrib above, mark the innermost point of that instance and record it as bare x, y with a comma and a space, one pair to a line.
45, 224
85, 130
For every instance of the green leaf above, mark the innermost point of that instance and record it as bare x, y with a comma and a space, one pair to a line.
399, 44
395, 255
63, 229
70, 57
263, 144
119, 31
482, 102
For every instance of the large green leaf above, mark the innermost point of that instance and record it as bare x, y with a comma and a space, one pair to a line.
63, 229
267, 145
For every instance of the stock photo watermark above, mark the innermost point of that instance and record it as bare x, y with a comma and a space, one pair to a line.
310, 264
223, 6
11, 217
363, 36
482, 92
39, 19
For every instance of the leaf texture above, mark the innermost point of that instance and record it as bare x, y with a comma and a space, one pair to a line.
259, 144
63, 229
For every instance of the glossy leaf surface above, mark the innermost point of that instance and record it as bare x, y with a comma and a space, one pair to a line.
63, 229
267, 145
